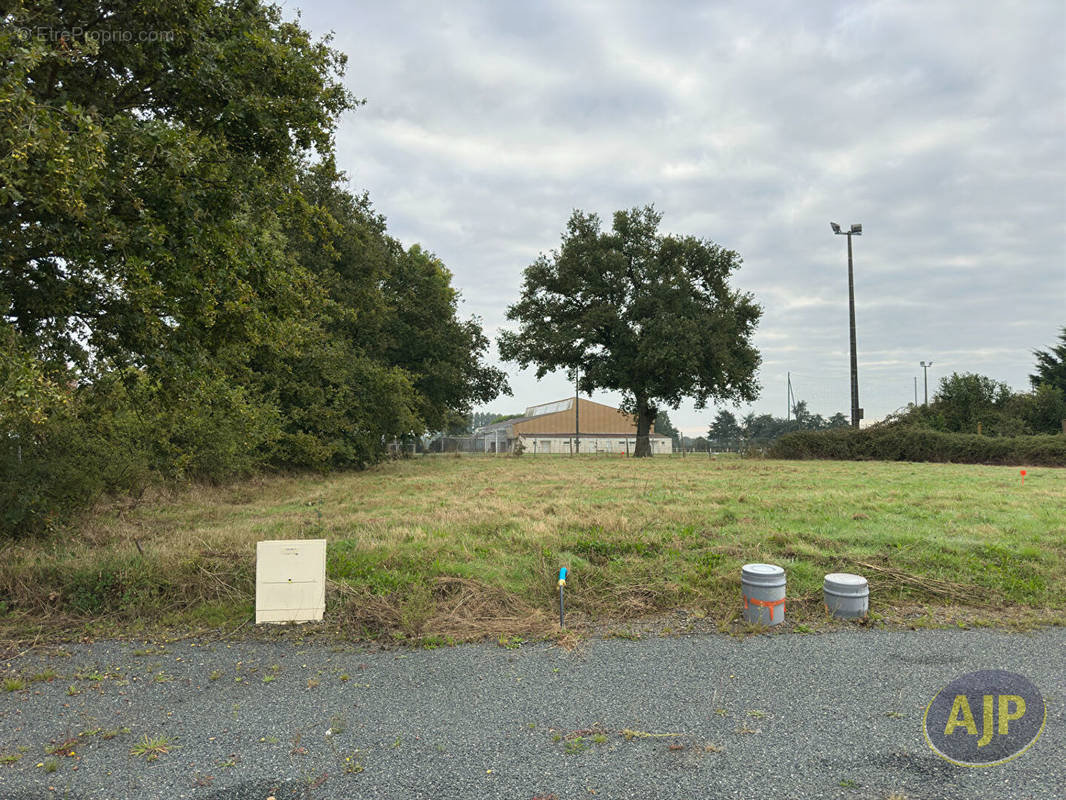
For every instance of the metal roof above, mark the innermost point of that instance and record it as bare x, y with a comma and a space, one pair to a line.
550, 408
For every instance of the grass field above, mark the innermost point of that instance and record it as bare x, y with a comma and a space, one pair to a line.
440, 547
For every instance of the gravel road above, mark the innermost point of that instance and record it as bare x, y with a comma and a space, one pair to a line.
836, 715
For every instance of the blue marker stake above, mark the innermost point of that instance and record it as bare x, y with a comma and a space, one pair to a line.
562, 583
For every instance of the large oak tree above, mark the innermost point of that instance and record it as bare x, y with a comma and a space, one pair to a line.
640, 312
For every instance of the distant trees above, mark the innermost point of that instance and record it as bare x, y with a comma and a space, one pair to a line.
757, 430
504, 417
481, 418
187, 287
971, 403
646, 314
725, 432
1014, 425
964, 401
663, 426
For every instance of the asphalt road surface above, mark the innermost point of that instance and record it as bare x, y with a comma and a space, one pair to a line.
837, 715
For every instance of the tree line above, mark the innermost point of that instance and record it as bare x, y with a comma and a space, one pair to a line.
971, 403
756, 430
972, 419
962, 403
189, 287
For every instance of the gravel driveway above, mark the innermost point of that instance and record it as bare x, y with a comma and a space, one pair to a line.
837, 715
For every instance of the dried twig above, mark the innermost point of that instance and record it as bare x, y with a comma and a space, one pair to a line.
967, 593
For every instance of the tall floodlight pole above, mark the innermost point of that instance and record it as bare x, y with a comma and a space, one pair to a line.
856, 412
925, 370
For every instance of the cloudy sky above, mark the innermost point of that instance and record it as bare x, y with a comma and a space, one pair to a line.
940, 126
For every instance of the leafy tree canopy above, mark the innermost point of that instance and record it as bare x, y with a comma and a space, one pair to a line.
141, 216
187, 287
970, 403
964, 399
725, 430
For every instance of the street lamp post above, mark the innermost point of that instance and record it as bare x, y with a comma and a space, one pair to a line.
925, 371
856, 412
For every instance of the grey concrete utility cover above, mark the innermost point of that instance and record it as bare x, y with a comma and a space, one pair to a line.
846, 583
768, 574
846, 595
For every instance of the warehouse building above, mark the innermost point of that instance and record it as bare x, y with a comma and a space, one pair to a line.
560, 426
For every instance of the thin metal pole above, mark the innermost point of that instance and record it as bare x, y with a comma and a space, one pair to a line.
854, 355
915, 390
577, 411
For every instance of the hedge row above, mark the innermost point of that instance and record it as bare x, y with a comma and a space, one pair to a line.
903, 443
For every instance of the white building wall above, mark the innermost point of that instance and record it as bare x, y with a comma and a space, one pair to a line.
609, 445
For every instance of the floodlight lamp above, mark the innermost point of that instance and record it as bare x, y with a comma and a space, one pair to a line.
835, 227
857, 228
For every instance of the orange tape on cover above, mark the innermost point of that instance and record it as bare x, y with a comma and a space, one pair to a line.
766, 604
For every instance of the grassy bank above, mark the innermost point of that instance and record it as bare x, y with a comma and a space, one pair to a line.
462, 547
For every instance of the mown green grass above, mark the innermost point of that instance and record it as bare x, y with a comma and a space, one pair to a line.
639, 537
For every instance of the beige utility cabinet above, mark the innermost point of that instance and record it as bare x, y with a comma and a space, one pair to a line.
290, 580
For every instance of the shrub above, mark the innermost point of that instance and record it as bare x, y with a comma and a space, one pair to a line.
970, 403
908, 443
122, 434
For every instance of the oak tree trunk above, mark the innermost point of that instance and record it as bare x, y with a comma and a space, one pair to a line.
645, 418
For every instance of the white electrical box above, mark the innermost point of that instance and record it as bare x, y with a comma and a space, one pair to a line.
290, 580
